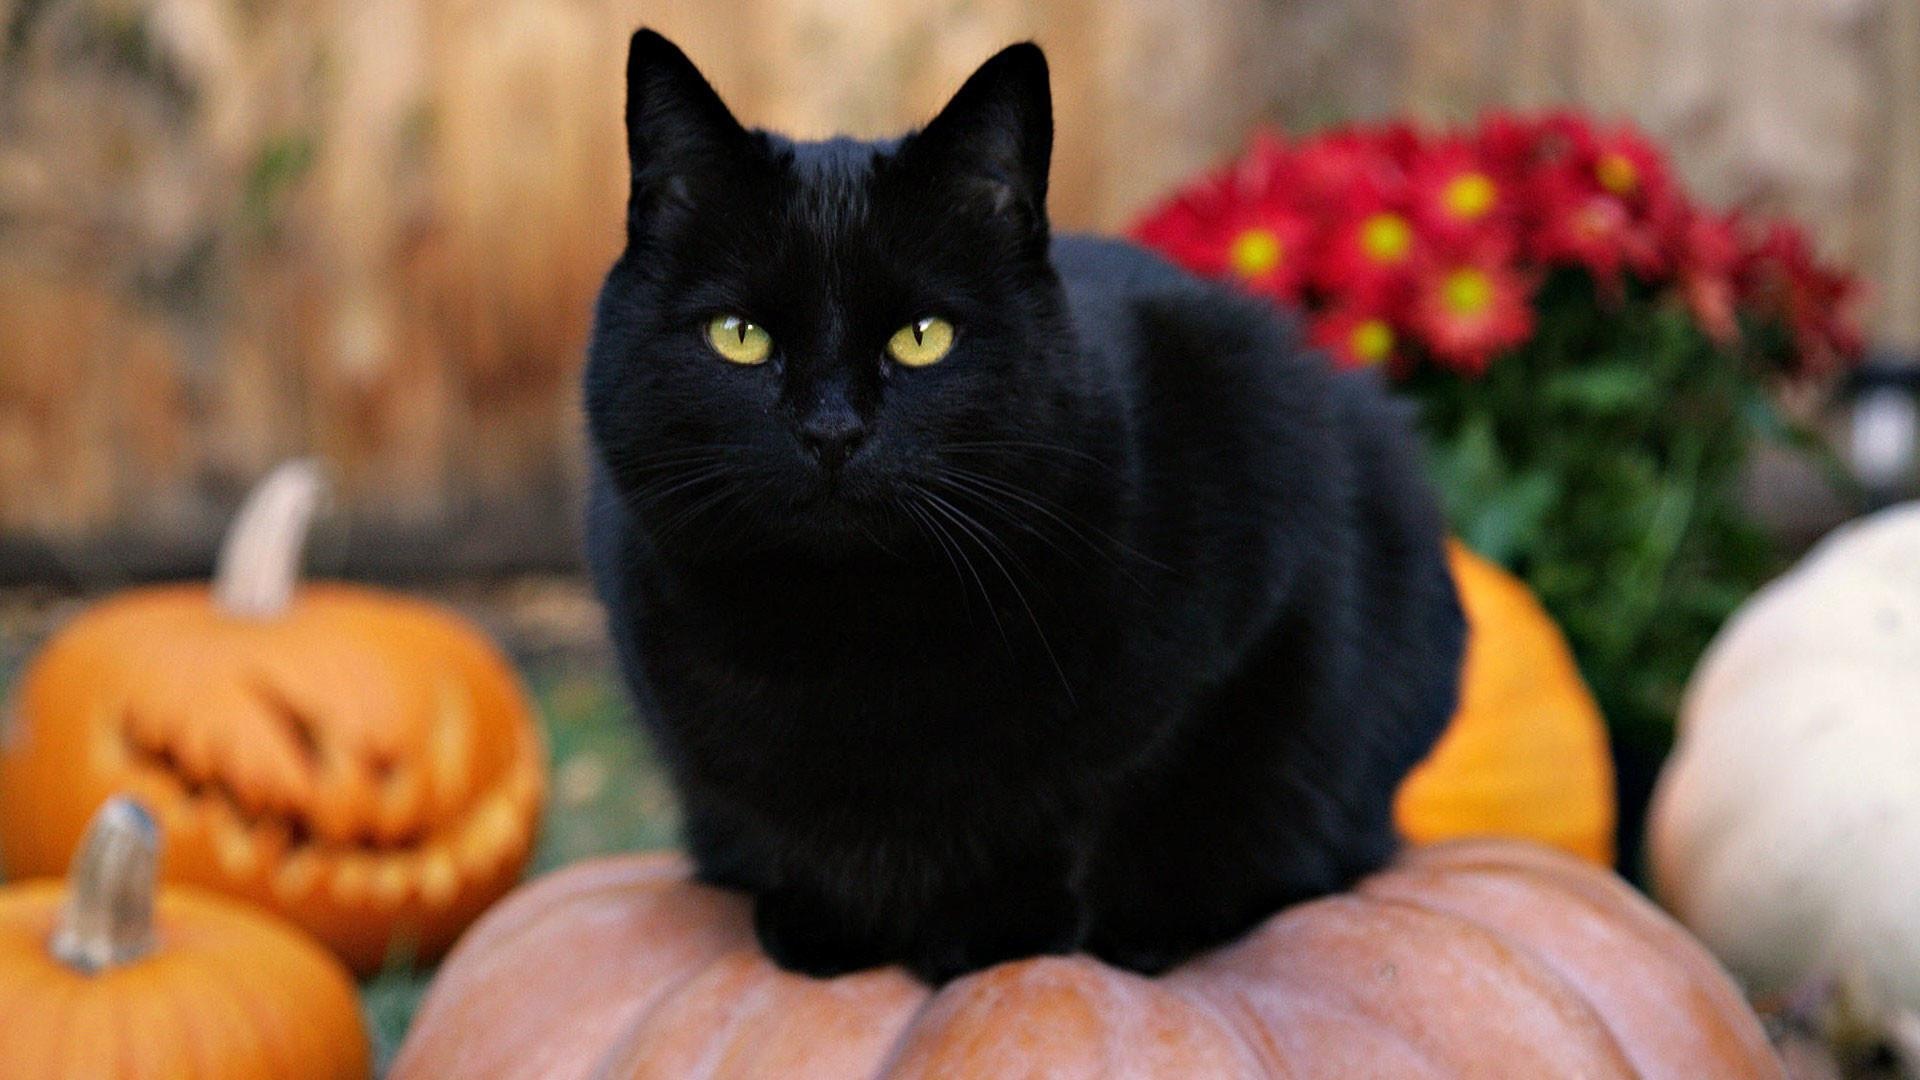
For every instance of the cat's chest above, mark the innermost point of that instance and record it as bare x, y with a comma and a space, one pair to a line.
914, 678
847, 668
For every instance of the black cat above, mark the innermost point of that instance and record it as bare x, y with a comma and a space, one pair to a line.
990, 595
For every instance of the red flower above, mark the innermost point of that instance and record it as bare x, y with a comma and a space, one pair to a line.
1369, 256
1785, 282
1519, 145
1510, 143
1624, 164
1371, 244
1580, 225
1239, 224
1460, 200
1356, 336
1607, 202
1398, 243
1346, 166
1466, 312
1709, 261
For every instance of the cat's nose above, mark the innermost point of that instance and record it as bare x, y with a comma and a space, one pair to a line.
832, 435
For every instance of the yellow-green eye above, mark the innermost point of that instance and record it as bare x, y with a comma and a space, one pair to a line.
921, 342
738, 341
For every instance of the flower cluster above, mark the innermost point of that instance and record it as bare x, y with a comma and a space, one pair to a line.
1404, 246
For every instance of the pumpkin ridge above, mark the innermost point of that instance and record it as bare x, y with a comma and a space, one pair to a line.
1532, 957
543, 899
1618, 906
809, 988
47, 1016
215, 1000
273, 1033
740, 1010
1560, 994
1662, 935
648, 884
1236, 1014
889, 1064
182, 1005
1349, 986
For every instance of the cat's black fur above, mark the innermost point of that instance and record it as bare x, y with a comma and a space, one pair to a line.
1116, 629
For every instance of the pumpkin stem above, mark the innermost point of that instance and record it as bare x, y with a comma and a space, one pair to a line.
259, 562
108, 918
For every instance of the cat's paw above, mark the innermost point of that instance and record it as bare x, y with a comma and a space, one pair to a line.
977, 935
804, 936
1151, 948
1144, 956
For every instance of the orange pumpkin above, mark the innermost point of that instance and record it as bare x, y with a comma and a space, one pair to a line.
1526, 756
1478, 958
364, 765
100, 980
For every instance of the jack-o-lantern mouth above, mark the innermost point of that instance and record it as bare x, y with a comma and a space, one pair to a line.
291, 822
335, 824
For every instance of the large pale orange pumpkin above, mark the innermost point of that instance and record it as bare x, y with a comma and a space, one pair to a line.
1526, 756
102, 980
1471, 959
364, 765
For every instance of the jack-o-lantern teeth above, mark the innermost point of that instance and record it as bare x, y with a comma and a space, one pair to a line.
439, 878
395, 880
298, 876
399, 812
351, 881
449, 752
235, 847
492, 836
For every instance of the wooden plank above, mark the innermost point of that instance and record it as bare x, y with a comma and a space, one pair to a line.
1898, 272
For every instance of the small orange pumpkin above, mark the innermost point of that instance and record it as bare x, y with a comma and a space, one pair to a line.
99, 979
1526, 756
1471, 959
364, 765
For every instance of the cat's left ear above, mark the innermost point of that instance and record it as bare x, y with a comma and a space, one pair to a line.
997, 132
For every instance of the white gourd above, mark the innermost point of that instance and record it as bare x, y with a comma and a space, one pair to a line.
1785, 831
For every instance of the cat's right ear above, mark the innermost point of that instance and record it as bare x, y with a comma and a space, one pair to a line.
678, 129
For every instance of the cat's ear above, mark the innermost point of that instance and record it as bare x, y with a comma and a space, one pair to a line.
997, 132
678, 129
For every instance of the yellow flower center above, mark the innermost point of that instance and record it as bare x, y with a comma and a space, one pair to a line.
1467, 292
1371, 341
1617, 173
1386, 238
1255, 252
1469, 195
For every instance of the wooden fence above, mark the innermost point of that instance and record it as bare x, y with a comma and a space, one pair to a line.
371, 229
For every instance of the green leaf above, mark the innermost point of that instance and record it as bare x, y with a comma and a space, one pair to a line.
1601, 389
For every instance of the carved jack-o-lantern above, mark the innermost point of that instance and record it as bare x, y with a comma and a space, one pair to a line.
365, 765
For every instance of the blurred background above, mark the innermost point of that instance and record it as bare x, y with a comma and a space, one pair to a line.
236, 230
